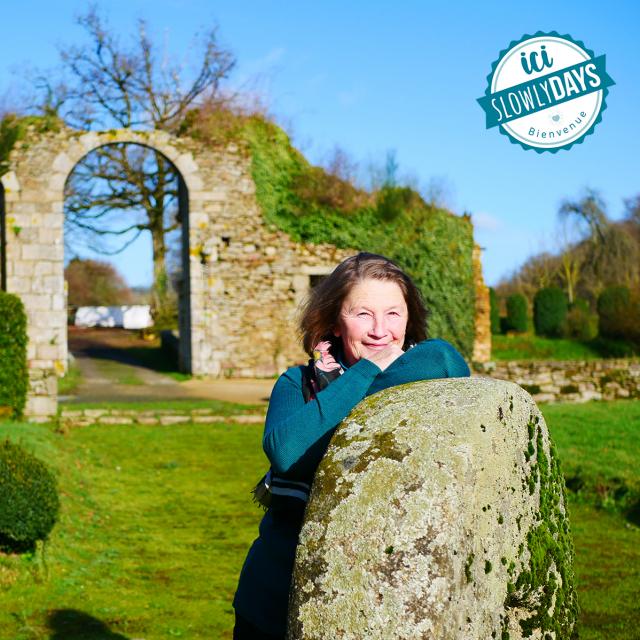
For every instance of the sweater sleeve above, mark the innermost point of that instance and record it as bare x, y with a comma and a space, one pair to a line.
428, 360
296, 433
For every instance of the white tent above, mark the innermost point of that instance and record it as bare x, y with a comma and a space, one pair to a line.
137, 316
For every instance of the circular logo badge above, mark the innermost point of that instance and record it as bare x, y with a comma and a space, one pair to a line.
546, 92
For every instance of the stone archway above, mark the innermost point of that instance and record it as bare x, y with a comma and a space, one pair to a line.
184, 302
245, 277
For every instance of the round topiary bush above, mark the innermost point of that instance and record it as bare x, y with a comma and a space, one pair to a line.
494, 304
614, 305
517, 313
29, 501
549, 312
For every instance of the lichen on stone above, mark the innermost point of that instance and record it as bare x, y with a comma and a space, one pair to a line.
410, 495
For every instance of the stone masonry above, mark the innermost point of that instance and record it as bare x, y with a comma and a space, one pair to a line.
482, 341
571, 381
243, 278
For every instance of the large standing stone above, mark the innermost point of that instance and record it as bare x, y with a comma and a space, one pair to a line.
437, 513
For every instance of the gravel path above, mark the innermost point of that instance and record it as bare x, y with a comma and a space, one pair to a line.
109, 374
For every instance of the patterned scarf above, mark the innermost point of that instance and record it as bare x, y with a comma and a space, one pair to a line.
321, 371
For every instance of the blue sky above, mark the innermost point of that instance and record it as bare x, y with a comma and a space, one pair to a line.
374, 76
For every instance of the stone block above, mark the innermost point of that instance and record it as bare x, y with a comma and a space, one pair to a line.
208, 419
426, 520
115, 420
37, 252
58, 302
46, 351
41, 407
62, 163
46, 268
95, 413
169, 420
48, 235
35, 302
69, 413
545, 397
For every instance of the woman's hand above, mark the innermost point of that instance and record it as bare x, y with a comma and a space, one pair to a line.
385, 357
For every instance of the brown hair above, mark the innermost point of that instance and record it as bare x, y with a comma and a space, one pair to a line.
320, 313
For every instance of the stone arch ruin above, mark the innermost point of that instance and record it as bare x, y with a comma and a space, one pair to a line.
243, 277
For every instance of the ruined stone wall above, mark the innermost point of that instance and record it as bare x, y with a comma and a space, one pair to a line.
482, 341
247, 279
571, 381
244, 279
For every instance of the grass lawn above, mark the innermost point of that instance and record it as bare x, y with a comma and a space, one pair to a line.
156, 358
531, 347
156, 522
71, 380
600, 447
117, 372
154, 527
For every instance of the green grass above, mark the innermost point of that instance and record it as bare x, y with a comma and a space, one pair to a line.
154, 527
607, 566
157, 359
117, 372
156, 521
221, 407
531, 347
71, 380
600, 449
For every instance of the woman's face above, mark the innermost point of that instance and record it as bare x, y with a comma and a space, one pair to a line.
373, 315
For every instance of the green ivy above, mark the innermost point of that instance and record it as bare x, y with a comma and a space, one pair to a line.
431, 244
13, 129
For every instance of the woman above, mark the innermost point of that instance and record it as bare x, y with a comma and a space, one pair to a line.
365, 326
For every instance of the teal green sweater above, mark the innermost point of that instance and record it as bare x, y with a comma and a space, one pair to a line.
296, 436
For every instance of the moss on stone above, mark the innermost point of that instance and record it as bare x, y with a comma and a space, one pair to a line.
467, 567
547, 583
13, 129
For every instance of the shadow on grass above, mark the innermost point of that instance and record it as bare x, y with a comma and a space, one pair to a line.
633, 514
150, 357
70, 624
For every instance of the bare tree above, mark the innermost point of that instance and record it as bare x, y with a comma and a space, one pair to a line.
120, 191
571, 256
632, 215
106, 84
591, 225
590, 212
115, 194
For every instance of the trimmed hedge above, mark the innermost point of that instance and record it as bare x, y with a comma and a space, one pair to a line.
29, 502
517, 313
14, 376
613, 311
494, 304
549, 312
